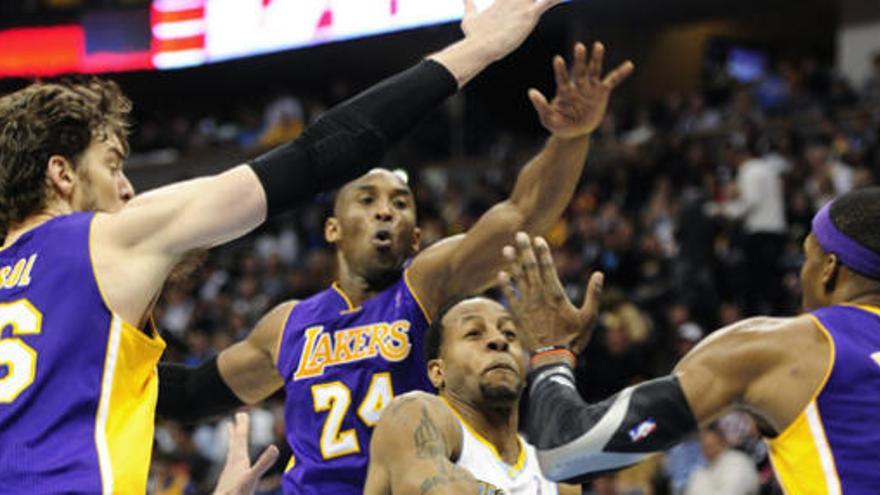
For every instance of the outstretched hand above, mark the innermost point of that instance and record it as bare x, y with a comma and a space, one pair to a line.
543, 312
505, 24
581, 94
238, 476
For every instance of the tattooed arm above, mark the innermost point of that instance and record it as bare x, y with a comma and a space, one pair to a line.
412, 450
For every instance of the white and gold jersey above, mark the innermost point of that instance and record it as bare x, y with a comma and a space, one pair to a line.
496, 477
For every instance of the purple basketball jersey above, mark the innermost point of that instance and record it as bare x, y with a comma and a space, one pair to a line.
77, 384
832, 446
341, 366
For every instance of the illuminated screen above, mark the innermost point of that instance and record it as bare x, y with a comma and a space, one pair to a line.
192, 32
185, 33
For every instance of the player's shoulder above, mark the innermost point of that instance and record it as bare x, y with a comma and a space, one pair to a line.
415, 402
420, 416
418, 408
760, 343
760, 327
271, 325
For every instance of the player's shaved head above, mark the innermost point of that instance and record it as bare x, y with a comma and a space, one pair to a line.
344, 192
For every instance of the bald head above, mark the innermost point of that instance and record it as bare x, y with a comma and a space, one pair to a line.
371, 178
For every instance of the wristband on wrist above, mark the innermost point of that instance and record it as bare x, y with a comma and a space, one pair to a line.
554, 351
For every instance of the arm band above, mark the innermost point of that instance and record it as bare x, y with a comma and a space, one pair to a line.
351, 138
191, 394
576, 440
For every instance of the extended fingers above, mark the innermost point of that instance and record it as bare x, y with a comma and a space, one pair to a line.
506, 284
514, 268
619, 74
546, 267
593, 295
597, 58
580, 68
267, 459
560, 71
239, 429
539, 101
527, 260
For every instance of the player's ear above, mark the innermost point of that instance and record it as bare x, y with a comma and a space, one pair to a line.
332, 230
60, 176
435, 373
830, 271
416, 240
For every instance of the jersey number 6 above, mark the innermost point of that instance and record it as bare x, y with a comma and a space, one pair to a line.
19, 359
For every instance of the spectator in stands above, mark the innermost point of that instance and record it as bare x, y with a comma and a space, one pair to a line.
727, 472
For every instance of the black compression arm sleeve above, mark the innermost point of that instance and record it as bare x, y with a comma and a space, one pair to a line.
191, 394
352, 137
575, 439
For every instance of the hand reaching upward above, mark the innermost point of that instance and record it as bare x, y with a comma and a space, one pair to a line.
544, 315
505, 24
581, 93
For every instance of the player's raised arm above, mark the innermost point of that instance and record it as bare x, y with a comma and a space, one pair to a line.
154, 230
468, 263
412, 449
244, 373
738, 366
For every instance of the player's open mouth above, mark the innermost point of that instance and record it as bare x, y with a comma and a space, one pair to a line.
382, 238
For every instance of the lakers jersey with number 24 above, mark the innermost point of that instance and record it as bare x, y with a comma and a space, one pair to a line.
78, 385
342, 366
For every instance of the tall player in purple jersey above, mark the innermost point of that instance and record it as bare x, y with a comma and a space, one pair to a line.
812, 382
78, 380
343, 354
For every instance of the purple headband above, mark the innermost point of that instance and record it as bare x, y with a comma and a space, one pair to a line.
852, 254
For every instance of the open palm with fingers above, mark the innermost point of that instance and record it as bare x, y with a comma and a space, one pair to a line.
505, 24
581, 93
544, 314
238, 476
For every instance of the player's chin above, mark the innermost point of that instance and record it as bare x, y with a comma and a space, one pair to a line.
500, 392
387, 261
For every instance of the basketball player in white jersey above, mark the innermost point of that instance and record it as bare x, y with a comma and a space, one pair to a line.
464, 440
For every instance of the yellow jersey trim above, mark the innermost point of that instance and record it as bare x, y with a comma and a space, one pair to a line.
520, 458
803, 443
866, 307
350, 307
104, 459
821, 387
415, 296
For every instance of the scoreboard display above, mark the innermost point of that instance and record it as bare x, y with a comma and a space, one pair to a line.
185, 33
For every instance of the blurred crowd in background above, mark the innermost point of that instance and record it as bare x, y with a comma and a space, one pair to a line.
694, 207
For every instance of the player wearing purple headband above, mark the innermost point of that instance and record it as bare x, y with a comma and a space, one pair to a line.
812, 382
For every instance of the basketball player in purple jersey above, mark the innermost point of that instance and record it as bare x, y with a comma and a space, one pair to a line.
812, 382
343, 354
78, 381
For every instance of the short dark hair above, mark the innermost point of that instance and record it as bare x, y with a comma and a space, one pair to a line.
46, 119
434, 338
857, 215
